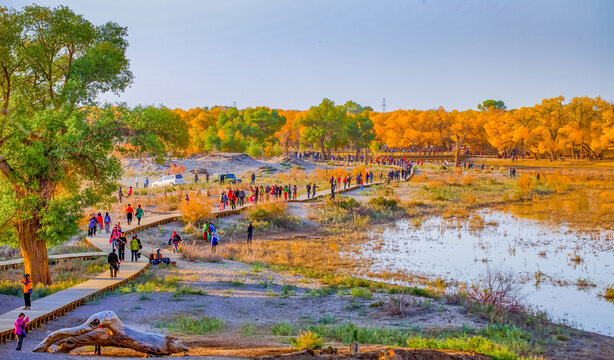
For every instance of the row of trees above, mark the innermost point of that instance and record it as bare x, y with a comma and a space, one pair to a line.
265, 132
582, 127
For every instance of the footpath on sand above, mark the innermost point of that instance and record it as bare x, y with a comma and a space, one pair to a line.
57, 304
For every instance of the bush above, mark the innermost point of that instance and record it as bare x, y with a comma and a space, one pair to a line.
498, 289
275, 214
384, 204
307, 340
400, 305
283, 329
199, 208
363, 293
477, 344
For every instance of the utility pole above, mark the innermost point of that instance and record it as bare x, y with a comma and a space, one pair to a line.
384, 105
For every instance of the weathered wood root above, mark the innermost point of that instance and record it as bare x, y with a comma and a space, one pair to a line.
105, 329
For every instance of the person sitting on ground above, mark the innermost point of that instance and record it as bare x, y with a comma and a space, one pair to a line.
113, 261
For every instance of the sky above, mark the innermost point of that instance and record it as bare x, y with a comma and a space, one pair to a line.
417, 54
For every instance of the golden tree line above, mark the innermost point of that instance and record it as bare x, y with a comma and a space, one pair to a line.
582, 127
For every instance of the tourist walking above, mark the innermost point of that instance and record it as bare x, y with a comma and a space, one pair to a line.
136, 182
175, 240
139, 214
146, 182
120, 194
253, 178
20, 329
107, 222
27, 291
250, 233
135, 246
308, 190
129, 212
121, 247
130, 191
99, 220
113, 261
294, 191
91, 226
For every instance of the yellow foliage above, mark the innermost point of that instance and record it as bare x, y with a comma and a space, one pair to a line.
198, 208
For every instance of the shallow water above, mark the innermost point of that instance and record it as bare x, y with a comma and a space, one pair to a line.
440, 248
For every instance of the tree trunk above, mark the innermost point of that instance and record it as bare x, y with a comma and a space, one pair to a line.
33, 251
366, 153
459, 145
323, 149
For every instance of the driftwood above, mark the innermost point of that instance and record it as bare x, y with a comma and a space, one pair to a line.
105, 329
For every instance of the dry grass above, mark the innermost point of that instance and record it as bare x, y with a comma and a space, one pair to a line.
194, 252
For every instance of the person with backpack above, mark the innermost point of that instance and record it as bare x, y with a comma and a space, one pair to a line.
121, 247
135, 246
139, 214
99, 221
27, 291
113, 261
308, 190
107, 222
175, 240
250, 233
20, 329
91, 226
129, 211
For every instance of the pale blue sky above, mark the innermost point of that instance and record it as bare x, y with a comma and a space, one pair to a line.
416, 54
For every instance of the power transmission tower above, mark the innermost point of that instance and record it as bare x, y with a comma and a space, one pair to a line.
384, 105
234, 104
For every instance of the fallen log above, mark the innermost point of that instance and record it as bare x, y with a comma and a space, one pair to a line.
105, 329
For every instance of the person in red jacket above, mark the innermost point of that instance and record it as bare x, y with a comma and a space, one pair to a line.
129, 212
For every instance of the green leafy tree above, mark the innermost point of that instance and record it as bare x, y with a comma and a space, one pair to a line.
354, 108
56, 146
492, 104
360, 133
325, 126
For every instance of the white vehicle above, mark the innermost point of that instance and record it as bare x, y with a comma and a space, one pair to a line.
168, 180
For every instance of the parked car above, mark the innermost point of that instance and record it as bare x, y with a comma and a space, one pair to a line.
168, 180
226, 178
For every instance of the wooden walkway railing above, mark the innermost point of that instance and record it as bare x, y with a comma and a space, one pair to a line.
61, 302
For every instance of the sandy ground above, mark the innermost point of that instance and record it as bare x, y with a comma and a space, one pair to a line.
238, 294
240, 164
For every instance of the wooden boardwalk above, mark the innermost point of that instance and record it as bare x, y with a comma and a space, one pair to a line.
84, 255
57, 304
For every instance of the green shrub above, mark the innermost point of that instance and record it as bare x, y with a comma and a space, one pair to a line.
477, 344
384, 204
361, 293
283, 329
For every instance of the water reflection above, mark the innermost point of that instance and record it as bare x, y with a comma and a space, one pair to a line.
561, 270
